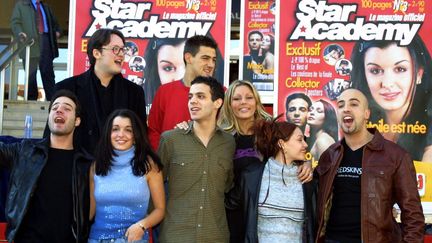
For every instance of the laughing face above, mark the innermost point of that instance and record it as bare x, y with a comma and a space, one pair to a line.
107, 61
62, 118
390, 79
352, 112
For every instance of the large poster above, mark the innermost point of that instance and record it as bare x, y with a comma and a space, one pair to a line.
155, 32
381, 47
257, 37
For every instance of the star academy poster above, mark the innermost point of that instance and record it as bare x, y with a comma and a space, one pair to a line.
155, 32
257, 38
381, 47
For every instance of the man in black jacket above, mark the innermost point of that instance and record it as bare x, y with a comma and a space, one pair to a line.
102, 88
48, 199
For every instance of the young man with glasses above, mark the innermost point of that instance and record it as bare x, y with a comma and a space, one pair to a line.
102, 88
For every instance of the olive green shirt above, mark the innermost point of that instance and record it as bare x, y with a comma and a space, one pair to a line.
198, 178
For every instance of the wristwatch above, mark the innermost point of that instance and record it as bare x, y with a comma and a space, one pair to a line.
142, 226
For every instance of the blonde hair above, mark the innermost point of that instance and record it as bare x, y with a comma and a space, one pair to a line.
228, 119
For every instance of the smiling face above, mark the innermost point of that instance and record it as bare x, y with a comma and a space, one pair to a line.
170, 63
106, 61
62, 118
316, 114
295, 146
389, 75
243, 103
203, 63
122, 136
297, 111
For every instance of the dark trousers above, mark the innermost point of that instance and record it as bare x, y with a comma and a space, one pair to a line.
46, 68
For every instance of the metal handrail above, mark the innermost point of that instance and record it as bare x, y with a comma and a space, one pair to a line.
27, 43
4, 51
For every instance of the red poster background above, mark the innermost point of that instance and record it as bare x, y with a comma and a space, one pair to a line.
303, 68
85, 20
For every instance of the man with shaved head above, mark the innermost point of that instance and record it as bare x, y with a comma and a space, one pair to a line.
361, 177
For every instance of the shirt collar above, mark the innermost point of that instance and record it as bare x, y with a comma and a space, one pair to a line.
190, 128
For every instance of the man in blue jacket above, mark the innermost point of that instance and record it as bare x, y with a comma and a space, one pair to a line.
48, 199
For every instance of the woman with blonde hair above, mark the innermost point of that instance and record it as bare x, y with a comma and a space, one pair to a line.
242, 108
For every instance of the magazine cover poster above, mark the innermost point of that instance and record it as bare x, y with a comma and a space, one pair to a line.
258, 40
381, 47
155, 32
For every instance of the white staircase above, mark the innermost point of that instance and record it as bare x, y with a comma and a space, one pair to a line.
14, 116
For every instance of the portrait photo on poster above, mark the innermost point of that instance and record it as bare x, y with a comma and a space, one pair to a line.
397, 82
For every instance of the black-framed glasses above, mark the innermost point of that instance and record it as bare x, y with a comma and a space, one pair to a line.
116, 49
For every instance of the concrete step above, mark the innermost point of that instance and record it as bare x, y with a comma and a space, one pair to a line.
14, 113
8, 124
26, 105
20, 115
20, 133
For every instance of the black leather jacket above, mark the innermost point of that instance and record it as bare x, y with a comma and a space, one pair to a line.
245, 196
26, 161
